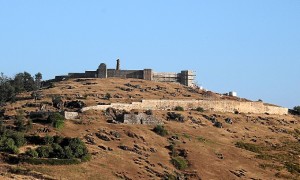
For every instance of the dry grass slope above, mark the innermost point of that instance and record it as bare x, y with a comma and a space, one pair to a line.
253, 146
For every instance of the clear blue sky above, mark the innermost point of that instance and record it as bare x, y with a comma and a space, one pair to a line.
249, 46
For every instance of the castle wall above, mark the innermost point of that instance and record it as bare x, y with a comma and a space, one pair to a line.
219, 106
90, 74
137, 74
185, 77
76, 75
148, 74
166, 77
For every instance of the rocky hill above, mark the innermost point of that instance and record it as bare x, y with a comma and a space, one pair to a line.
180, 144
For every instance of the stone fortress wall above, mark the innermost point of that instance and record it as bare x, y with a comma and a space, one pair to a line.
213, 105
185, 77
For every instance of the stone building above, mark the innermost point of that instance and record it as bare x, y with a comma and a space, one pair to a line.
185, 77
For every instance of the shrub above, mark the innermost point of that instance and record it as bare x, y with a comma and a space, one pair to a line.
58, 124
57, 120
10, 141
160, 130
78, 147
57, 151
201, 139
249, 147
173, 150
199, 109
293, 168
86, 158
9, 146
48, 140
18, 138
179, 162
58, 139
68, 152
20, 121
44, 151
32, 153
297, 109
178, 108
176, 117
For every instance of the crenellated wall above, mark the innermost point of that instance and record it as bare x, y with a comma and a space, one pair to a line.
220, 106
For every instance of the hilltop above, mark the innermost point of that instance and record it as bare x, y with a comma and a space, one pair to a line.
257, 146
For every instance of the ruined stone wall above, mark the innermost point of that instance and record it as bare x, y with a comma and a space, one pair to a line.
220, 106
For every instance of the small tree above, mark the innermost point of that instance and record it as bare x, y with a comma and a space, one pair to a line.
20, 121
38, 79
297, 109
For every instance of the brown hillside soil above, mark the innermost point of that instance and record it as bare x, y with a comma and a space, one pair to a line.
252, 147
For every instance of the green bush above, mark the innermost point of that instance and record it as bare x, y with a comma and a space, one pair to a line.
57, 120
78, 147
297, 109
48, 139
86, 158
10, 141
57, 151
160, 130
199, 109
68, 152
179, 162
58, 139
32, 153
9, 146
58, 124
179, 108
20, 121
18, 138
44, 151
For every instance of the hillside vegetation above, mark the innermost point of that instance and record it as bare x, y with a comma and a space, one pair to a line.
188, 144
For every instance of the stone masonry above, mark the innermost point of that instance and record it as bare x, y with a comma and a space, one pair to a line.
185, 77
213, 105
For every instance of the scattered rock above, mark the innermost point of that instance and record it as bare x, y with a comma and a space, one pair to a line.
74, 104
228, 120
103, 137
102, 147
239, 173
220, 156
218, 124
